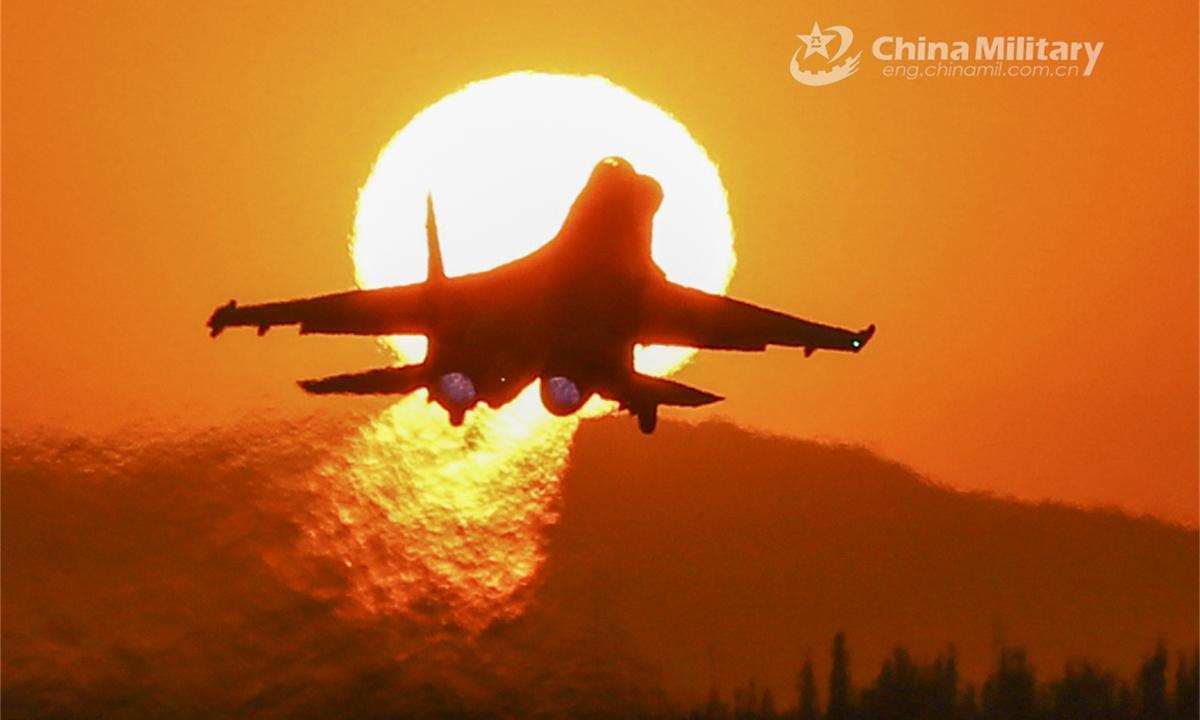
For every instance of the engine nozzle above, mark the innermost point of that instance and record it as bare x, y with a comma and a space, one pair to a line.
562, 396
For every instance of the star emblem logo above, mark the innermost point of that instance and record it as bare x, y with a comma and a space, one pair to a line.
816, 42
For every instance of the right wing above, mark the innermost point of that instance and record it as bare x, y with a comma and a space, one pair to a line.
678, 315
404, 310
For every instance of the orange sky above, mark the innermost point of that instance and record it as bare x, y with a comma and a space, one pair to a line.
1028, 248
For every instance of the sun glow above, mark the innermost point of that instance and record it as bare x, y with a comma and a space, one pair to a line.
444, 524
504, 158
450, 520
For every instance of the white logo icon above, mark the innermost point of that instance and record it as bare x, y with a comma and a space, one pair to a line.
817, 43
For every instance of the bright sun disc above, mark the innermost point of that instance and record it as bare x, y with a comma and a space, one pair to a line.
504, 158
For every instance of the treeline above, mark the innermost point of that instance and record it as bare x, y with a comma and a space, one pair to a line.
909, 690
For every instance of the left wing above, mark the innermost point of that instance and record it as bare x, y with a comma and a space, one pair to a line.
678, 315
405, 310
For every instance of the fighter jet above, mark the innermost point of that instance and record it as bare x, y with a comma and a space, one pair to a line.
569, 315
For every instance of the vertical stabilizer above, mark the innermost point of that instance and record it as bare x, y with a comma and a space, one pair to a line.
436, 271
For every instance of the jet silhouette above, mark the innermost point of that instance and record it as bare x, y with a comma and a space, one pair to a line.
568, 314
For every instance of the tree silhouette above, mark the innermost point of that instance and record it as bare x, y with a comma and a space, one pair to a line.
745, 703
808, 692
897, 692
840, 707
1187, 686
767, 709
1010, 693
943, 684
907, 690
715, 710
1124, 701
1151, 690
968, 709
1085, 693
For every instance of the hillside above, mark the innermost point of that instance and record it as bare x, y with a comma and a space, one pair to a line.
765, 547
145, 577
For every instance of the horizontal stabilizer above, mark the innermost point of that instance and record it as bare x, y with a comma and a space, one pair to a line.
647, 390
221, 318
384, 381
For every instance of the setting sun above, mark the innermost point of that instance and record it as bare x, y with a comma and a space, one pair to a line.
504, 158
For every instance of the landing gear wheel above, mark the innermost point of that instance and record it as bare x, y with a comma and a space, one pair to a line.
648, 419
